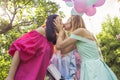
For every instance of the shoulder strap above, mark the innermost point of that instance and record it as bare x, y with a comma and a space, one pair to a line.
80, 38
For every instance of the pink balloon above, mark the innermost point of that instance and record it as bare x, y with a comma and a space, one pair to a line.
99, 3
80, 6
74, 12
90, 11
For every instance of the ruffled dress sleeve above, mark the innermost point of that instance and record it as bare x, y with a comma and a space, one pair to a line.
27, 45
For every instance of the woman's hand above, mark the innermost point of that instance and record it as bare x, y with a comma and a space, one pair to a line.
58, 24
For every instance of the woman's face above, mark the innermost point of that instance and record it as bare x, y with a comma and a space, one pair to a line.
67, 25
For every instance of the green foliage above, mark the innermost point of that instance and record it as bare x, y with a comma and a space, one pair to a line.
43, 12
5, 62
26, 12
109, 44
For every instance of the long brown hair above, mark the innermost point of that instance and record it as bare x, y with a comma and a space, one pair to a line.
77, 22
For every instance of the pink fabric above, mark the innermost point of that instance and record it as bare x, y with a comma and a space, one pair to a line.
35, 53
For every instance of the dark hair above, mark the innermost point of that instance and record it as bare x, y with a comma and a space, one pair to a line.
50, 29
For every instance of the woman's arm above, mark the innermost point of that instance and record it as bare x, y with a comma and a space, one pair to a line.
61, 43
14, 65
67, 49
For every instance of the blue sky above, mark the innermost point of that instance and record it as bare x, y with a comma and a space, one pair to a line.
93, 23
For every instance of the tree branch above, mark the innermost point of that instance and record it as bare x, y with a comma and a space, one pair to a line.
25, 23
6, 29
10, 26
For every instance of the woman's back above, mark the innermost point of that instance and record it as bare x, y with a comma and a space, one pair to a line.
35, 52
86, 47
92, 66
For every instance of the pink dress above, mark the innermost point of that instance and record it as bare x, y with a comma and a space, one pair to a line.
35, 53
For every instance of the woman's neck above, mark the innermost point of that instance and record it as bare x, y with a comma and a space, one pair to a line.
41, 30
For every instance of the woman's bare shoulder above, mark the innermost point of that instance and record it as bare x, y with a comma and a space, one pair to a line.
41, 30
84, 33
80, 31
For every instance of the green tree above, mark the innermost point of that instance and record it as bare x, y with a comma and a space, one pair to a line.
109, 45
19, 13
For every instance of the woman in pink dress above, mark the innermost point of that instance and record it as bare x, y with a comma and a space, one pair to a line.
32, 52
